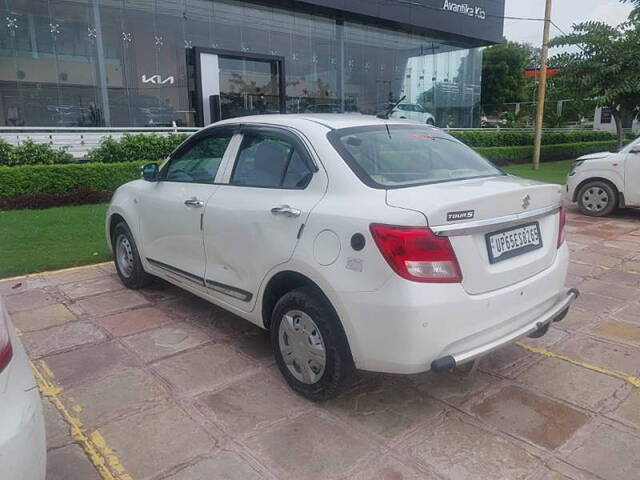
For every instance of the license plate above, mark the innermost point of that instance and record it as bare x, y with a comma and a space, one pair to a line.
513, 241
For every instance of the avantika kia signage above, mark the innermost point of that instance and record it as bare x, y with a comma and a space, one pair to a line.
465, 9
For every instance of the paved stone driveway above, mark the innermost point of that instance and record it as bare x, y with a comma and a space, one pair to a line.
168, 386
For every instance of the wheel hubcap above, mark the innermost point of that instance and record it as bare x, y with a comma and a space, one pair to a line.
302, 346
124, 256
595, 199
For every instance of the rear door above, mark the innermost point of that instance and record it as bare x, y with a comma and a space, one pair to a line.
171, 208
253, 222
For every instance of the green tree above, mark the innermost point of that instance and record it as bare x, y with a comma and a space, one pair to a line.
635, 13
503, 74
603, 65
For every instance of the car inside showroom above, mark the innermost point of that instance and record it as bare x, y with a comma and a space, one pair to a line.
186, 63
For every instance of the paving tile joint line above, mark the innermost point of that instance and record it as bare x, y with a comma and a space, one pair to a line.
94, 445
635, 381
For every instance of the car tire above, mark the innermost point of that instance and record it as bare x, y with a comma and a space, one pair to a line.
431, 122
305, 330
597, 198
127, 258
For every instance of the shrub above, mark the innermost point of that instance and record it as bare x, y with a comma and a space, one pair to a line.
32, 153
548, 153
501, 138
5, 151
61, 179
139, 147
81, 196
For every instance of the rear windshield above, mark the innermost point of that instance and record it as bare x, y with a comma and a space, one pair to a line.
395, 156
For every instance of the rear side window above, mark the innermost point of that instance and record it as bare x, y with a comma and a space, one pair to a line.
395, 156
270, 162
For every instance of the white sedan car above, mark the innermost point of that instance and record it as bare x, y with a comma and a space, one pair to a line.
602, 182
358, 242
23, 453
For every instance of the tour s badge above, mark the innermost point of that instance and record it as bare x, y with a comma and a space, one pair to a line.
461, 215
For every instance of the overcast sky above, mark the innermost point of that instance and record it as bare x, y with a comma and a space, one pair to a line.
564, 13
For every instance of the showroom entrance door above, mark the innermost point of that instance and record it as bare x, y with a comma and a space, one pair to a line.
232, 84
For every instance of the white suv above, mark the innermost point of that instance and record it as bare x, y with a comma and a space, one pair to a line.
412, 111
601, 182
358, 242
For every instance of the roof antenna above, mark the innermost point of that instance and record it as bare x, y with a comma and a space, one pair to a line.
386, 114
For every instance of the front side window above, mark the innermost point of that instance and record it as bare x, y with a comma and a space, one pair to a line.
199, 163
270, 162
394, 156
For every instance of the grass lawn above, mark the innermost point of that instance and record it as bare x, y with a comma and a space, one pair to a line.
551, 172
37, 240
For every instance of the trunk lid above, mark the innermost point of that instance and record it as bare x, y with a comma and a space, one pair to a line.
451, 203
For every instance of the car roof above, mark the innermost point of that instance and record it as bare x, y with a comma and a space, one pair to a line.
330, 121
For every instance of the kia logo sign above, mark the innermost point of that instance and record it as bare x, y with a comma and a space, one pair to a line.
157, 79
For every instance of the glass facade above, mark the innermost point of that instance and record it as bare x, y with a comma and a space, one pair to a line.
130, 63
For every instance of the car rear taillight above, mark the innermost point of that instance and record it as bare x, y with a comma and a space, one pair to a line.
6, 352
417, 254
562, 223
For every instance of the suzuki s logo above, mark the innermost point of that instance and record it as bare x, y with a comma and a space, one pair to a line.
157, 79
526, 201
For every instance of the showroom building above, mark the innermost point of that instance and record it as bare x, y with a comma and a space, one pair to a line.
141, 63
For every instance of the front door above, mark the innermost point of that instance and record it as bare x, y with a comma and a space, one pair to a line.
234, 85
171, 209
632, 178
254, 220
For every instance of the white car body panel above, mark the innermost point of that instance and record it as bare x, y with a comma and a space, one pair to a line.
404, 326
236, 251
479, 275
621, 169
392, 324
632, 180
23, 453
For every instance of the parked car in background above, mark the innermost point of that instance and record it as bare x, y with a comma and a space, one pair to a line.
410, 111
333, 108
358, 242
601, 182
23, 451
487, 121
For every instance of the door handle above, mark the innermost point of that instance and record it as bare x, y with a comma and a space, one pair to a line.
285, 210
194, 202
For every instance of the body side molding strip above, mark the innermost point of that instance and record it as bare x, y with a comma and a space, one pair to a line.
176, 271
217, 286
229, 290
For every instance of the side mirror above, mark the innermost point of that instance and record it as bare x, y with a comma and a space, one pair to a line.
149, 172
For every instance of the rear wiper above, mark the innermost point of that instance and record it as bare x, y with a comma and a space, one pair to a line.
386, 114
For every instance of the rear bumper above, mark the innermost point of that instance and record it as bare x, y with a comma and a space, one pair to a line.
555, 313
404, 326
